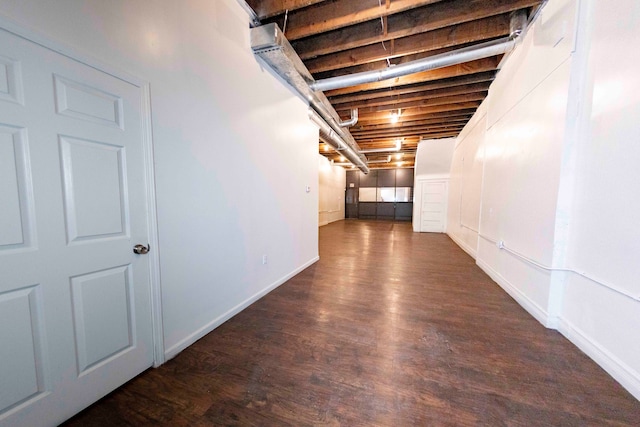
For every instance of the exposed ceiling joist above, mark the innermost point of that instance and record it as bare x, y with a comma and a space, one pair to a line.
335, 14
335, 38
453, 36
415, 21
268, 8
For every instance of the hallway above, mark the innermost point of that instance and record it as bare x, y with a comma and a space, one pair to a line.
389, 328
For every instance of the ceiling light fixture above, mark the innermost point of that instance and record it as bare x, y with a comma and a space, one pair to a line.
395, 116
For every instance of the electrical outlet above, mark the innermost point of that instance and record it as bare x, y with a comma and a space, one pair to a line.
264, 259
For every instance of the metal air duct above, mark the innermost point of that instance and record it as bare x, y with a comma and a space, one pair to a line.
268, 42
332, 138
352, 121
518, 25
455, 57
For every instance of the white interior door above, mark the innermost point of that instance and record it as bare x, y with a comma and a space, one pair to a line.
433, 209
75, 320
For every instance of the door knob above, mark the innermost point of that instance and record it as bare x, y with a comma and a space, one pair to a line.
141, 249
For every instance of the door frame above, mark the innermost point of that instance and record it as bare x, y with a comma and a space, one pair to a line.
38, 38
417, 200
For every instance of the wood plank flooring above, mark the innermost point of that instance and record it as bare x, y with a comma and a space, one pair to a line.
389, 328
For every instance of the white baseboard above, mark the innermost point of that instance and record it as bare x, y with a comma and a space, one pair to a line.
527, 303
468, 249
195, 336
321, 223
621, 372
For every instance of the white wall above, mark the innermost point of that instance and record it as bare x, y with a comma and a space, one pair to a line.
465, 183
332, 184
433, 157
600, 310
234, 149
432, 163
545, 169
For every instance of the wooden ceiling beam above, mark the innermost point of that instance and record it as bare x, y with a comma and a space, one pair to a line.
420, 20
477, 66
487, 76
425, 135
392, 128
409, 144
407, 129
468, 32
337, 14
268, 8
380, 65
425, 102
413, 97
419, 130
417, 113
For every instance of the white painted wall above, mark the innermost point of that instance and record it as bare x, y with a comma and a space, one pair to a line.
433, 157
432, 164
465, 183
602, 212
332, 184
545, 169
234, 149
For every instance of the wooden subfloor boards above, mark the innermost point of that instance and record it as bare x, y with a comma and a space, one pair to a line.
389, 328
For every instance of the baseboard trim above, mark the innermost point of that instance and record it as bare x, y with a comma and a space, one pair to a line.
471, 252
195, 336
621, 372
322, 223
527, 303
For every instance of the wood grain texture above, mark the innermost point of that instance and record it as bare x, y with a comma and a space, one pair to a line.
389, 328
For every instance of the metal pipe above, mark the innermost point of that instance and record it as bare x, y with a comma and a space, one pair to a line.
336, 141
268, 42
455, 57
352, 121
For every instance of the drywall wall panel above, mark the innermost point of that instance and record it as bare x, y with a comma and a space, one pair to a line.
331, 188
604, 324
605, 232
547, 44
472, 151
433, 157
522, 155
601, 307
234, 149
466, 185
526, 283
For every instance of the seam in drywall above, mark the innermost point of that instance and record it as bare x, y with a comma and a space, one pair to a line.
526, 95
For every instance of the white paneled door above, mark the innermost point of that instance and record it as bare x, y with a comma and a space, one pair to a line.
75, 314
433, 206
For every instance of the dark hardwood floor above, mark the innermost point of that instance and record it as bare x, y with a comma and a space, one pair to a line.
389, 328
